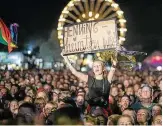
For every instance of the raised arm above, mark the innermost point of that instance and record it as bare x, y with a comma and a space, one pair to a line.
112, 70
80, 75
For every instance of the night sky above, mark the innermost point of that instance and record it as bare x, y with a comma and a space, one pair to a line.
40, 17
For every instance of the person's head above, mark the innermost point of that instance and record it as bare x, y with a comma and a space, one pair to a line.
136, 88
14, 89
3, 91
28, 99
47, 88
156, 110
67, 116
130, 90
146, 92
79, 100
32, 80
31, 93
126, 83
113, 119
124, 102
72, 88
125, 120
14, 106
66, 86
114, 91
157, 120
40, 103
143, 116
26, 114
98, 67
8, 86
49, 78
49, 107
43, 95
55, 95
131, 113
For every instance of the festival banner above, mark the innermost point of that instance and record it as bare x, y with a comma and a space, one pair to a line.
90, 36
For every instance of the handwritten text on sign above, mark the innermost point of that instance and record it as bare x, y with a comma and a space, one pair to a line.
90, 36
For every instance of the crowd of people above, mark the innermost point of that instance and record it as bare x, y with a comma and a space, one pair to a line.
48, 97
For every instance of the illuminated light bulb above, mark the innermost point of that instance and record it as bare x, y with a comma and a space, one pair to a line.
119, 12
114, 5
110, 1
59, 33
90, 14
62, 19
61, 45
78, 20
59, 24
83, 15
97, 15
98, 54
60, 28
70, 4
122, 39
91, 19
65, 12
122, 29
122, 20
60, 37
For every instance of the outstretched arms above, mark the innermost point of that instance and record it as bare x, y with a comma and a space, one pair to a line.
80, 75
112, 70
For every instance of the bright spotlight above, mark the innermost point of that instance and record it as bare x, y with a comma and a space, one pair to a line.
29, 52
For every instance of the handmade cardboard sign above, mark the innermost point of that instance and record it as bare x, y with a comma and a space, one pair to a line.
90, 36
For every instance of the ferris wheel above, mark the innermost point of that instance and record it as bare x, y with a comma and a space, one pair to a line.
86, 10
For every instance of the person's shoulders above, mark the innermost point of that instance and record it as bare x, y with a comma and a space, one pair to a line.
136, 106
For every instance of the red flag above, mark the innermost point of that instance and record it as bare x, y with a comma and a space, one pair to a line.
6, 35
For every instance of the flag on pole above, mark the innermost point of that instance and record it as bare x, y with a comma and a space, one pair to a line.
5, 36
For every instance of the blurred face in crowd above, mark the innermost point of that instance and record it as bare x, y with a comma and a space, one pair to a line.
86, 90
42, 95
47, 88
14, 107
55, 97
49, 78
126, 83
73, 88
3, 91
114, 91
8, 86
48, 108
80, 100
32, 81
98, 68
14, 89
136, 87
30, 93
142, 116
146, 93
124, 103
156, 110
130, 113
157, 121
28, 99
130, 91
126, 120
66, 87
